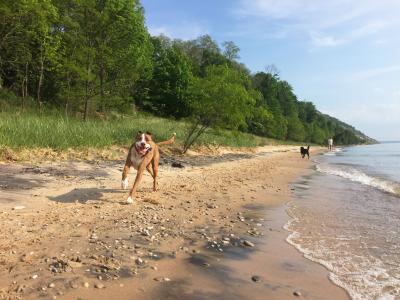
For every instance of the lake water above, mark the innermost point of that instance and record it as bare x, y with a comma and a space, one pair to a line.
346, 216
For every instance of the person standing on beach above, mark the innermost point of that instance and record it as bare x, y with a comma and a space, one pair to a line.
330, 144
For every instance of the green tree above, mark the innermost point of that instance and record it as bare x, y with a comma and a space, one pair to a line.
295, 129
106, 52
219, 100
231, 50
28, 44
172, 77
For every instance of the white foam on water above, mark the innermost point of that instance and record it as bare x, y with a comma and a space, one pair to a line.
355, 175
333, 152
370, 280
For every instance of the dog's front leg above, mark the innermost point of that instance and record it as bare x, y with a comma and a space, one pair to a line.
139, 175
125, 173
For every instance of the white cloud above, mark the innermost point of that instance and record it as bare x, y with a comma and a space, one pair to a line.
184, 30
319, 40
374, 72
327, 23
277, 9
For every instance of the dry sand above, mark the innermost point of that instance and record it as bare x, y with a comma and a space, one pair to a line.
213, 225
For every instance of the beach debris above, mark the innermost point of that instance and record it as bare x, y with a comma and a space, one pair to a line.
20, 288
248, 243
86, 284
177, 165
256, 278
34, 276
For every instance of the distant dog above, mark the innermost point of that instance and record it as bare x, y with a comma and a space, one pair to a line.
142, 155
305, 151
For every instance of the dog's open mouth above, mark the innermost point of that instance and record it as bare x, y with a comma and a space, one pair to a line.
142, 150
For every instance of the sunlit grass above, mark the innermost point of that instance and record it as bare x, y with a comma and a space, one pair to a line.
55, 131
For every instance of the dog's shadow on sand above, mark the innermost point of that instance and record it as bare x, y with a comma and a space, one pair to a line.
83, 195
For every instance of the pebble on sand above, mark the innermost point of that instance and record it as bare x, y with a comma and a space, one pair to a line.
99, 286
297, 293
162, 279
18, 207
248, 243
256, 278
74, 264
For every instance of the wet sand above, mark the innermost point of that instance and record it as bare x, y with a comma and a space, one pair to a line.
213, 225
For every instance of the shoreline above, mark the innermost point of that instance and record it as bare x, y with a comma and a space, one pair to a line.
183, 241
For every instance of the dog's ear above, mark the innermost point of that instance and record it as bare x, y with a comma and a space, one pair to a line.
135, 135
148, 132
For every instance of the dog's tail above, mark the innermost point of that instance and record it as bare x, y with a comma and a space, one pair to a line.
168, 142
308, 147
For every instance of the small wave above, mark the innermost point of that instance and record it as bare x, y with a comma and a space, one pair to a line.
358, 176
360, 285
334, 152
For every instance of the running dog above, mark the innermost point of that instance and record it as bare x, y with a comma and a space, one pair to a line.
142, 155
305, 151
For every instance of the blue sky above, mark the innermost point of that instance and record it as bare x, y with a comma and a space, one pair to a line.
344, 55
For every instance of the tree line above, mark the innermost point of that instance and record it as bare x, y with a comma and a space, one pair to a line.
89, 57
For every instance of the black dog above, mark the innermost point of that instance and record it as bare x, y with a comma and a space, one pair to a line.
305, 151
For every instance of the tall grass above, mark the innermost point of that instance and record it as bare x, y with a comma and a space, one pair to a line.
52, 130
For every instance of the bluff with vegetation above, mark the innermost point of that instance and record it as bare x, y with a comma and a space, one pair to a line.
90, 57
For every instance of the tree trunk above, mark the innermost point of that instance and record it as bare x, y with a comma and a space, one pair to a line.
86, 114
26, 79
101, 75
68, 96
41, 71
23, 94
193, 136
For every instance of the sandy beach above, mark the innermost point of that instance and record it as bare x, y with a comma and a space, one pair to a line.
214, 230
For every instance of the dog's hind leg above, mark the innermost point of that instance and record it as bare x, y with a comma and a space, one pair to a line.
155, 170
150, 169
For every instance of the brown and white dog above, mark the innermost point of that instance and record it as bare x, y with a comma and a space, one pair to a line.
142, 155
